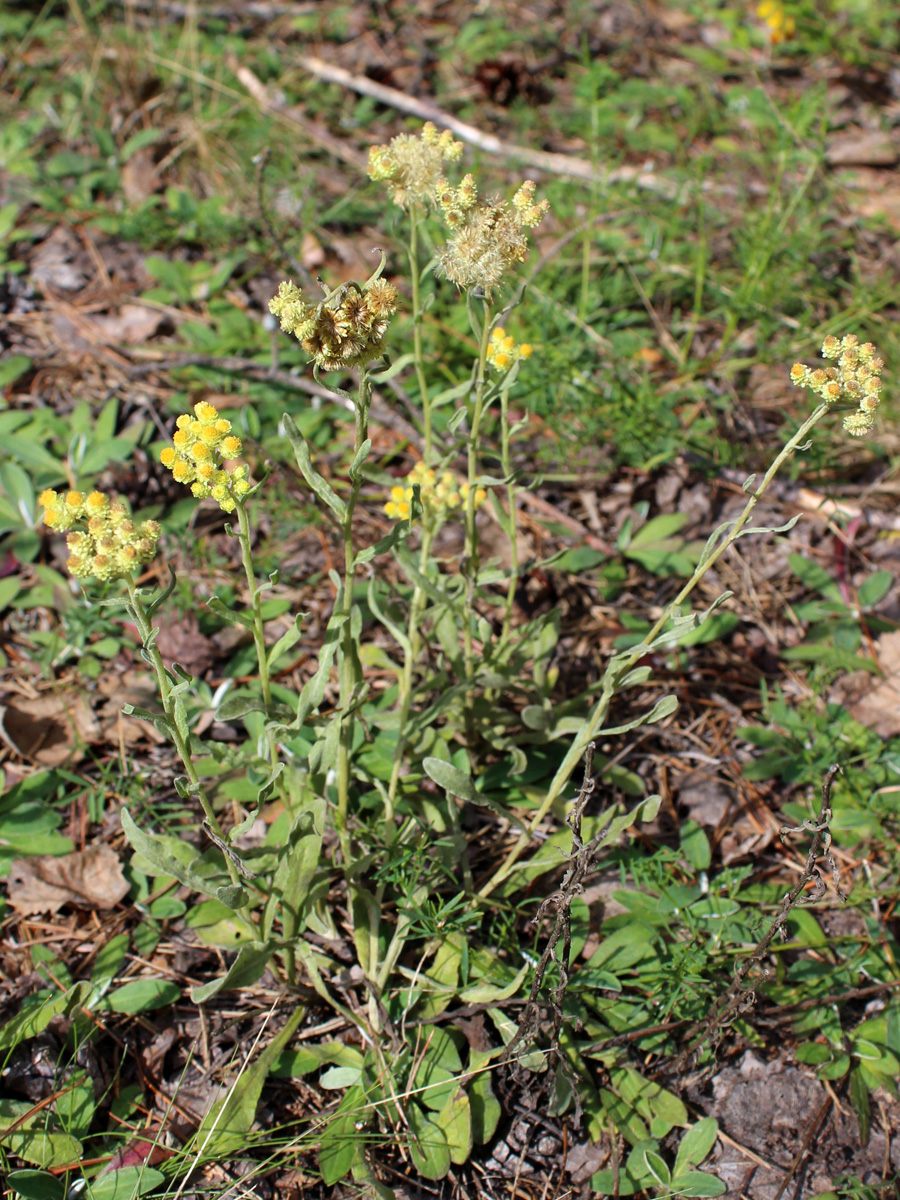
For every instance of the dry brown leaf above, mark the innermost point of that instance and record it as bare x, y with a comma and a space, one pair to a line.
879, 708
862, 148
49, 729
90, 878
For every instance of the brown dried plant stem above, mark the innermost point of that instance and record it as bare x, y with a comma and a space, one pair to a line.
164, 682
350, 667
594, 724
740, 995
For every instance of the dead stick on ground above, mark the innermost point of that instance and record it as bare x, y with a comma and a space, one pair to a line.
553, 164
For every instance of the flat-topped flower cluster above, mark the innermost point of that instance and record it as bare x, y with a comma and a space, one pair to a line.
103, 540
855, 380
200, 445
438, 495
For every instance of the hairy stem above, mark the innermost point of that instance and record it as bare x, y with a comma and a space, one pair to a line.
595, 721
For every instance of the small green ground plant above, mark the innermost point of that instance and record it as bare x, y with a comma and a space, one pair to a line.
378, 789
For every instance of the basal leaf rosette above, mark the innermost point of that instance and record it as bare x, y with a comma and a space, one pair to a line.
438, 495
855, 382
201, 445
103, 541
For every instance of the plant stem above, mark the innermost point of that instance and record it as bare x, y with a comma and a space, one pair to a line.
350, 669
512, 530
169, 705
414, 219
471, 549
594, 723
259, 638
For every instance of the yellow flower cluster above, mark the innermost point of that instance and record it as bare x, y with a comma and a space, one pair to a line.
413, 165
344, 334
438, 495
781, 25
855, 380
201, 443
108, 545
502, 350
487, 236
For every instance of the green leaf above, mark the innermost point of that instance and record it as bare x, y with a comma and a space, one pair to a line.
485, 1108
248, 966
318, 484
875, 588
36, 1185
158, 853
143, 995
125, 1184
859, 1098
232, 616
291, 891
44, 1149
341, 1138
457, 783
12, 367
224, 1129
34, 1019
696, 1144
695, 846
428, 1146
455, 1119
699, 1183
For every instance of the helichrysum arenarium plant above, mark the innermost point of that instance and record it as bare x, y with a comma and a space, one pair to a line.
470, 684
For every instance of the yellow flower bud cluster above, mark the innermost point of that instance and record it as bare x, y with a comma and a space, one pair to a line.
200, 444
438, 494
413, 165
855, 380
502, 350
781, 25
487, 236
107, 544
346, 333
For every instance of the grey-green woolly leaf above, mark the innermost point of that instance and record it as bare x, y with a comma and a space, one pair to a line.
160, 720
319, 485
459, 784
399, 533
404, 361
293, 876
234, 707
459, 392
661, 709
155, 851
324, 752
313, 691
231, 895
456, 420
287, 640
248, 966
360, 457
398, 634
181, 722
215, 605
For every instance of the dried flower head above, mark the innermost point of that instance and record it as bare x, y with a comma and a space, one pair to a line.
438, 495
200, 445
414, 165
104, 542
854, 382
488, 236
345, 331
502, 350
